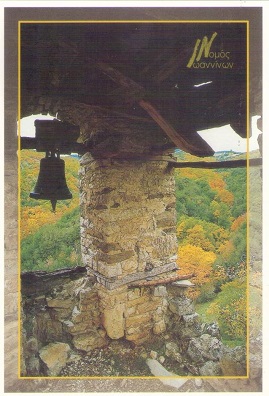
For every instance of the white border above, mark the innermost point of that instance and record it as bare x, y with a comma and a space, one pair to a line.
164, 4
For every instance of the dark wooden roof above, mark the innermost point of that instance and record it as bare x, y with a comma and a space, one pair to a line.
140, 69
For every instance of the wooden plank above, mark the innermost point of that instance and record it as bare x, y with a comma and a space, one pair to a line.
161, 281
218, 165
199, 148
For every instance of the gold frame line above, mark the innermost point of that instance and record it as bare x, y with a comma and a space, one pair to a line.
19, 193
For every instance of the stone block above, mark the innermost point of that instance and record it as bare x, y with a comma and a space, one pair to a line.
181, 306
31, 346
47, 329
107, 247
89, 341
59, 303
204, 348
161, 359
233, 361
109, 298
148, 306
32, 367
158, 247
130, 311
159, 327
138, 301
78, 316
186, 331
115, 258
132, 330
79, 328
87, 296
153, 354
129, 266
166, 219
172, 351
110, 271
210, 369
55, 356
114, 322
139, 338
92, 308
160, 291
103, 291
134, 294
190, 320
212, 329
137, 320
158, 314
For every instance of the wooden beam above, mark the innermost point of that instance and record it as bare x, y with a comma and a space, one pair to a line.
161, 281
134, 91
31, 143
200, 148
218, 165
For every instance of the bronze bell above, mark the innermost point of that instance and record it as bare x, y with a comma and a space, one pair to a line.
51, 183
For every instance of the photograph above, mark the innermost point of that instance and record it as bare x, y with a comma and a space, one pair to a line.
133, 198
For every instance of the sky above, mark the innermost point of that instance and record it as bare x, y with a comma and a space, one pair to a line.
220, 139
225, 139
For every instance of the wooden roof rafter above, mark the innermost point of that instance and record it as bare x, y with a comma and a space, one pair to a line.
194, 145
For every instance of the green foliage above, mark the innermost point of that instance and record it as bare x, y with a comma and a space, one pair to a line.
230, 309
53, 246
194, 198
233, 253
236, 181
211, 208
49, 241
207, 293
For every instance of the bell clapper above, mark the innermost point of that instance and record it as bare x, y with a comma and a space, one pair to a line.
53, 205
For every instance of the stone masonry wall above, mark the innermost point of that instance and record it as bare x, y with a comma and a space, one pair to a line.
70, 312
135, 313
67, 317
128, 219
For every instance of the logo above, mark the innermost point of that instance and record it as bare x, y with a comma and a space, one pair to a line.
202, 51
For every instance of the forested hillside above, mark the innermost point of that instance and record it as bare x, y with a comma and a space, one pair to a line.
211, 229
49, 241
212, 236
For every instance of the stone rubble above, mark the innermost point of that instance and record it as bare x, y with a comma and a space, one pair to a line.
54, 356
80, 321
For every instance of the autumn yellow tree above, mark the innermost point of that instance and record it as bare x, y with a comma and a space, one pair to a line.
196, 237
195, 260
238, 222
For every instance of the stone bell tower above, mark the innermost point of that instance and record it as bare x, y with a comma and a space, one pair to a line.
128, 234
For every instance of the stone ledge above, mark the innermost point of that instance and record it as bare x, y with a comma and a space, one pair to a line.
115, 283
38, 282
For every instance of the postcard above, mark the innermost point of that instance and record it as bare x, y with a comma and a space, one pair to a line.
133, 176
